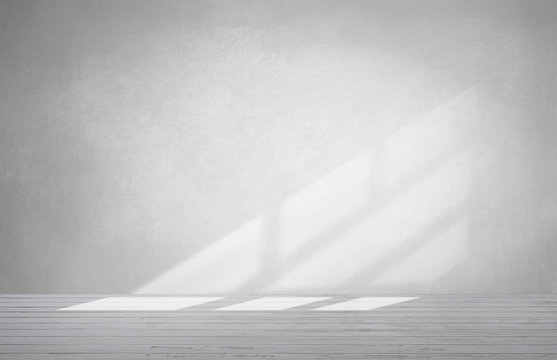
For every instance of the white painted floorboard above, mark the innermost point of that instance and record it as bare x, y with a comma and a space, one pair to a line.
432, 327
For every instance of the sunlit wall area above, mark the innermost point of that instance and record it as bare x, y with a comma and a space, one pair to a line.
278, 147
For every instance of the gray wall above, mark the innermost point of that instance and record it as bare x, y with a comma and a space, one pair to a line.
278, 146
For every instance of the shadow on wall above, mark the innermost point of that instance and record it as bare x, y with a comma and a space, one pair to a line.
372, 223
277, 147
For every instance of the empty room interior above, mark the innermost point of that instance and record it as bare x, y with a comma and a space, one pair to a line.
278, 179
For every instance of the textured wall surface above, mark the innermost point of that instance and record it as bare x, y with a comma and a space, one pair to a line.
278, 146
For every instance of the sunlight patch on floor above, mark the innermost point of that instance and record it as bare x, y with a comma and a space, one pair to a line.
269, 303
140, 303
364, 303
272, 303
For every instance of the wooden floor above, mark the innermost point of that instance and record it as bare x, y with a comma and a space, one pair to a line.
427, 327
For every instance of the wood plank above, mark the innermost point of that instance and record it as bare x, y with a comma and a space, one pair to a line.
265, 329
94, 356
27, 323
300, 333
330, 349
279, 340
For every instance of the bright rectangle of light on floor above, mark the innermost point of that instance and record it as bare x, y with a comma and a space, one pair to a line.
364, 303
271, 303
140, 303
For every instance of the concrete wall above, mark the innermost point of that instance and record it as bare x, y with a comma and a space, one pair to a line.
278, 146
